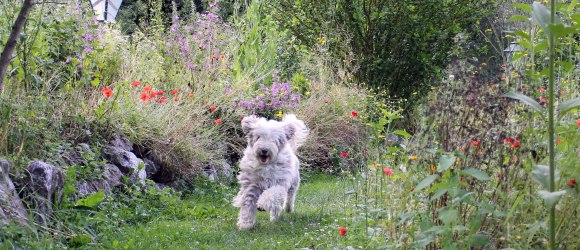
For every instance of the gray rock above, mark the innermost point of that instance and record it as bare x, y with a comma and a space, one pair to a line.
46, 182
121, 142
126, 161
11, 207
112, 179
150, 167
218, 170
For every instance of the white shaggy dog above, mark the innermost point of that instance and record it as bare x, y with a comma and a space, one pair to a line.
269, 176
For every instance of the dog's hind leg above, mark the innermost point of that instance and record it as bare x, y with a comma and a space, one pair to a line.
247, 215
289, 204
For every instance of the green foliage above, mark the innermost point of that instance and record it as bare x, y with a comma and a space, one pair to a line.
400, 47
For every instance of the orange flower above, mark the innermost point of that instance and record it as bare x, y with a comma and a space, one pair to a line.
174, 92
107, 92
147, 88
163, 99
190, 95
223, 57
218, 121
144, 96
212, 108
388, 171
135, 83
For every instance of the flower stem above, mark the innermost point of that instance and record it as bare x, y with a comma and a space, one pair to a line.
551, 132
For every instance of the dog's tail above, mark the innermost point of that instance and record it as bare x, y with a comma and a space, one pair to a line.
300, 131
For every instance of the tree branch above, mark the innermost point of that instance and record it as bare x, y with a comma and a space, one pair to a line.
13, 39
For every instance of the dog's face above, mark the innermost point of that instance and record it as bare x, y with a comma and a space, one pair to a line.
266, 138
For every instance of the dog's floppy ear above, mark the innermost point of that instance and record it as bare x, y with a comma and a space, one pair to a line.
248, 124
289, 131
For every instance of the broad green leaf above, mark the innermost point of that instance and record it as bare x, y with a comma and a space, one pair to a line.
478, 174
540, 15
426, 182
522, 34
572, 5
519, 18
92, 201
445, 162
479, 240
448, 215
560, 30
525, 44
576, 18
541, 174
525, 99
568, 66
551, 198
438, 193
402, 133
524, 7
568, 106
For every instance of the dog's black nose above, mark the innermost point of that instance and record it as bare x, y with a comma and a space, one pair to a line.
264, 152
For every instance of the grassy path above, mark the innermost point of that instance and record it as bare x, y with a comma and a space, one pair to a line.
210, 221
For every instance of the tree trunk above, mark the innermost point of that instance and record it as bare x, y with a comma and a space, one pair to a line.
13, 39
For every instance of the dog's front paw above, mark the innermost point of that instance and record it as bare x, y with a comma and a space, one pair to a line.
244, 225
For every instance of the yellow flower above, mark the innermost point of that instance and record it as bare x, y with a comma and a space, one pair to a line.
413, 158
433, 169
279, 115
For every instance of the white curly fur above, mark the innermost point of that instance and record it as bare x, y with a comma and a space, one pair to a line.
269, 170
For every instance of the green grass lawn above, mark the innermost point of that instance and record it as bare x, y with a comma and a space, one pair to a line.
210, 223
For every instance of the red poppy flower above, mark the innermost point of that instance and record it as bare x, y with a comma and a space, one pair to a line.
508, 140
388, 171
475, 143
147, 88
354, 113
571, 183
213, 56
516, 143
218, 121
160, 92
152, 95
558, 141
163, 99
174, 92
211, 108
176, 99
343, 154
107, 92
144, 96
223, 57
578, 122
503, 65
342, 231
542, 90
135, 83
